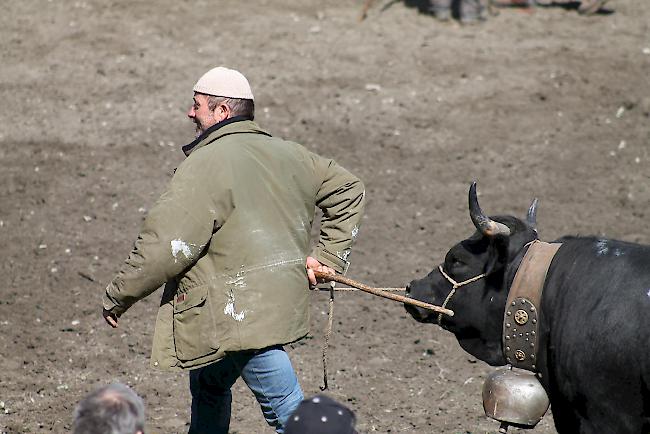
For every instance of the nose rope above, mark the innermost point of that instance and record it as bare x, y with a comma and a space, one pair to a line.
455, 285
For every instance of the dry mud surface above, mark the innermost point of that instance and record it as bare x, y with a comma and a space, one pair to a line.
94, 94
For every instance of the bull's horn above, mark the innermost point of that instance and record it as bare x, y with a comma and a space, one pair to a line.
483, 223
531, 217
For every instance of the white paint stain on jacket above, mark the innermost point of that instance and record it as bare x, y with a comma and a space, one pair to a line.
237, 281
179, 246
355, 232
277, 262
304, 227
230, 309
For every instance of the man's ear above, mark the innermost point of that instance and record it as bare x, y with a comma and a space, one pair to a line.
221, 112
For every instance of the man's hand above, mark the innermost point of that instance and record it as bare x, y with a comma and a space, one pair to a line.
313, 265
110, 318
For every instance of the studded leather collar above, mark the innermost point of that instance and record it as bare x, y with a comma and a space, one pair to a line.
522, 313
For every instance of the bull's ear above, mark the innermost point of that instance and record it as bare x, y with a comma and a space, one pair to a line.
498, 254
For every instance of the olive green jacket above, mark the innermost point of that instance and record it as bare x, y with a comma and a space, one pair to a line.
229, 239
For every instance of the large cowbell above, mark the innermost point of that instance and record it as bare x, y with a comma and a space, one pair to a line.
514, 397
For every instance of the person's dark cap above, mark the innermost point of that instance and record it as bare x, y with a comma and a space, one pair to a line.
321, 415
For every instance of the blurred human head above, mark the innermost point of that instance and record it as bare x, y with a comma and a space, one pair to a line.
112, 409
321, 415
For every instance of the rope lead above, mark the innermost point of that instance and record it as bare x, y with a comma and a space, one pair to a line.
332, 278
328, 333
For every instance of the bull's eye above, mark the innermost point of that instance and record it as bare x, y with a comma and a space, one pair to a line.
455, 262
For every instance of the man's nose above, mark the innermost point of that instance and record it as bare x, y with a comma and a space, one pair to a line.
190, 112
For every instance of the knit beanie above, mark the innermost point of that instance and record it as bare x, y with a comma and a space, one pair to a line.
224, 82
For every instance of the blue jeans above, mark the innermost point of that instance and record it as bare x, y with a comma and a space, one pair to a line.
269, 375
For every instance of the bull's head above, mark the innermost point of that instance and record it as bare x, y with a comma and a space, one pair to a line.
494, 251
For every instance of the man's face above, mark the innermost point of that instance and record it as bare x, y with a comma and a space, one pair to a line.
201, 114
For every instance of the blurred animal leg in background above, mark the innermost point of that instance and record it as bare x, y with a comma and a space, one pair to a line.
441, 9
525, 5
364, 10
472, 11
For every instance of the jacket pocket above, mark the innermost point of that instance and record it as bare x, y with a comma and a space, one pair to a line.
195, 333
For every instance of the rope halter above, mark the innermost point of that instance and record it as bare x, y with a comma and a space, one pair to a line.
455, 285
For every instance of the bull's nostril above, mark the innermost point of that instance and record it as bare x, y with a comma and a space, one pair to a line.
408, 289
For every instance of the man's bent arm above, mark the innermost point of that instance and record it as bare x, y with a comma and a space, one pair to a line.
342, 198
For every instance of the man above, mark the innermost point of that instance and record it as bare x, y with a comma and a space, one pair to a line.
230, 239
112, 409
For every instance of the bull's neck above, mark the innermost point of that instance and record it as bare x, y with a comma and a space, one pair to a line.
543, 258
508, 278
513, 266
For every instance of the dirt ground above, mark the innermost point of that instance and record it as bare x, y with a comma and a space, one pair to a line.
94, 93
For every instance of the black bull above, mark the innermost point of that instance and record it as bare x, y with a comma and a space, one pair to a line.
594, 335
